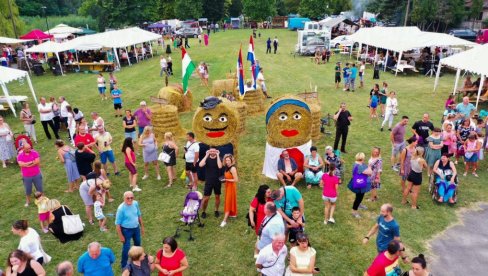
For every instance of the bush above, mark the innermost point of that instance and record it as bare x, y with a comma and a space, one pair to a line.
37, 22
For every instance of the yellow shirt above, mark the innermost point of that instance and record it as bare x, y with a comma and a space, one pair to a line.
102, 139
42, 204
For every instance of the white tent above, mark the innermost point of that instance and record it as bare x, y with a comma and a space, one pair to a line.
50, 47
9, 74
8, 40
474, 61
64, 29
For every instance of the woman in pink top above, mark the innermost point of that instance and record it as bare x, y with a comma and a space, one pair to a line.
330, 183
449, 138
28, 160
471, 149
130, 163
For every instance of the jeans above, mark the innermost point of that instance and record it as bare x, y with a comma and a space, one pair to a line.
129, 233
388, 117
445, 191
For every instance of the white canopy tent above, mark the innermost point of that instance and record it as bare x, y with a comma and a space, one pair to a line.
474, 61
9, 74
8, 40
50, 47
64, 29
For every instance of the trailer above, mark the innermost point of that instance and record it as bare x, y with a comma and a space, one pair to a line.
297, 23
310, 41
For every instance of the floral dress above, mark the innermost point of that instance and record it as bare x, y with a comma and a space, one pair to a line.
7, 149
376, 165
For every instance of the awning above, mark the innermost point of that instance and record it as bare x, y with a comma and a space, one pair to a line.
8, 40
36, 34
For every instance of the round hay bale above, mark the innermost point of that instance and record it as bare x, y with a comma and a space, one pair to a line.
288, 122
165, 118
316, 115
173, 94
254, 101
241, 108
219, 86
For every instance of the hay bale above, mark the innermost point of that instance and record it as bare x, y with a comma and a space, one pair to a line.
174, 95
254, 101
288, 122
316, 115
219, 86
310, 97
165, 118
241, 108
231, 75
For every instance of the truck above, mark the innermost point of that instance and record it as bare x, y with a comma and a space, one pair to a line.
297, 23
482, 36
309, 41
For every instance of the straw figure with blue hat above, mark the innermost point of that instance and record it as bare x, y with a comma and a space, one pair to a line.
288, 126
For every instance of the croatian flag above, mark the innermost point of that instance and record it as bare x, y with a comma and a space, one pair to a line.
240, 74
251, 58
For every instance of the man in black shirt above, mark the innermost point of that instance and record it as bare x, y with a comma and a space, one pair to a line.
213, 171
421, 130
343, 119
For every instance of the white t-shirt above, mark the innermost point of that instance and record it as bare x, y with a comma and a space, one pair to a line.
31, 244
362, 68
260, 77
192, 149
46, 116
272, 264
302, 259
163, 63
101, 82
391, 103
64, 112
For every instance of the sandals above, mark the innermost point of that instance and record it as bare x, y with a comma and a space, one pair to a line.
169, 185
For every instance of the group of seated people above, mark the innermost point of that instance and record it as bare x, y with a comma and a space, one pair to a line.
471, 88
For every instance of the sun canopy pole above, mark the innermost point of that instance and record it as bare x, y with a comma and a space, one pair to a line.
458, 74
398, 62
359, 51
479, 89
26, 61
59, 62
386, 60
29, 82
117, 57
128, 58
437, 75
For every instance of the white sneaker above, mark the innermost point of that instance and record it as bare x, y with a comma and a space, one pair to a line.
145, 177
223, 224
136, 189
332, 220
159, 177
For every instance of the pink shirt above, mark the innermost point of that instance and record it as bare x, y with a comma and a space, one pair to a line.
330, 183
26, 158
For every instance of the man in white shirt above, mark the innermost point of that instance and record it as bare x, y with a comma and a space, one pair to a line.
192, 149
46, 115
271, 259
164, 66
64, 112
260, 80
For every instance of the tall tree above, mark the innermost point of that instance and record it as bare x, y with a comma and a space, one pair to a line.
235, 8
188, 9
389, 10
259, 9
312, 8
292, 6
281, 8
337, 6
214, 10
166, 9
53, 7
6, 22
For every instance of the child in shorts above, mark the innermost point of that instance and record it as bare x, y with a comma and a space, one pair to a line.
98, 205
330, 183
297, 217
41, 202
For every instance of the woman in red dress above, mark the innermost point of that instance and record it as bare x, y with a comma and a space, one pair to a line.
170, 260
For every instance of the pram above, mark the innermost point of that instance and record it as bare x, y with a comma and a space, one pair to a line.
189, 215
20, 139
434, 183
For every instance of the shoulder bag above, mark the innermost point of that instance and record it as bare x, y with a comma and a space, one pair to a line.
359, 180
71, 223
164, 156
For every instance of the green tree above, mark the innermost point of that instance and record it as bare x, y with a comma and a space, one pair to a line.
312, 8
6, 25
423, 13
166, 9
259, 9
235, 8
281, 8
390, 10
475, 9
89, 8
53, 7
214, 10
188, 9
292, 5
337, 6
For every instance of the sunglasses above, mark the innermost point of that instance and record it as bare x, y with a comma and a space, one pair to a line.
131, 198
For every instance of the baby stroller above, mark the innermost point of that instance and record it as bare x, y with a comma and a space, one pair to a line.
435, 183
20, 139
189, 215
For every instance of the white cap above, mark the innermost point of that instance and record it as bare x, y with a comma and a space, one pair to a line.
143, 103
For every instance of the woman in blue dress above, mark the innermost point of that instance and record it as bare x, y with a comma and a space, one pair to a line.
67, 157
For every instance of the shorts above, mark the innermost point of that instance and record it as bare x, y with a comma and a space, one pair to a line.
117, 106
109, 154
337, 79
132, 135
374, 105
101, 217
190, 167
131, 168
292, 234
396, 149
209, 186
140, 129
346, 80
472, 159
28, 181
331, 199
101, 90
415, 178
44, 216
361, 76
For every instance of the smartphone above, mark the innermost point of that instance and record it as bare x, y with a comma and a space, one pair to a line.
316, 269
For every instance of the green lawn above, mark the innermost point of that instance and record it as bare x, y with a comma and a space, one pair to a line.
229, 251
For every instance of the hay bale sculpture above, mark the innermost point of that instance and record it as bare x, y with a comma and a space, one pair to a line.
174, 95
241, 108
316, 115
215, 125
288, 126
254, 100
228, 85
165, 118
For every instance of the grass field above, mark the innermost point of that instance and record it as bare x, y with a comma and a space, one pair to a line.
229, 251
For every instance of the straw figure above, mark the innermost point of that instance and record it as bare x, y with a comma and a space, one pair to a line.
173, 94
288, 126
215, 124
165, 119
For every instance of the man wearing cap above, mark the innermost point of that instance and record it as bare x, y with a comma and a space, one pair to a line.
143, 117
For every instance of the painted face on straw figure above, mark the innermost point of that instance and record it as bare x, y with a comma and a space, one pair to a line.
288, 126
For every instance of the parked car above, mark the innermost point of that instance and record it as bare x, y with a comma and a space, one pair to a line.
482, 37
464, 34
190, 32
342, 40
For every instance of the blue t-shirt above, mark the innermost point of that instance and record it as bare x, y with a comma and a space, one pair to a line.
101, 266
117, 92
128, 215
273, 227
374, 100
387, 231
292, 198
465, 109
345, 72
353, 72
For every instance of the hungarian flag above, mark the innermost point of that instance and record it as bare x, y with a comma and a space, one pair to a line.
252, 59
240, 74
187, 68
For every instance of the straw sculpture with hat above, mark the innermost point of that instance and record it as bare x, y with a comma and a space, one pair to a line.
288, 126
174, 95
